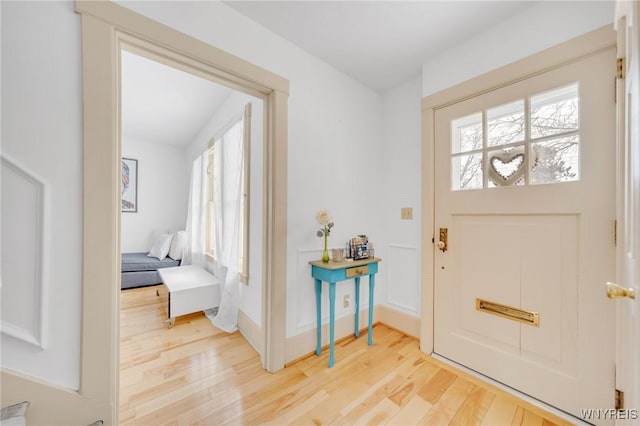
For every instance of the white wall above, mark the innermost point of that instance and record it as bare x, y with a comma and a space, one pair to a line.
335, 139
336, 143
42, 131
535, 29
163, 193
250, 294
401, 187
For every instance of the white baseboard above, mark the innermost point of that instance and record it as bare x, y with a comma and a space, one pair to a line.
51, 405
303, 344
252, 332
401, 321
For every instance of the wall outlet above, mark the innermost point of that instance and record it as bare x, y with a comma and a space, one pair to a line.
346, 300
406, 213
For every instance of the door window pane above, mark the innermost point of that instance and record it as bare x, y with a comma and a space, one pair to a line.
546, 129
505, 124
466, 133
466, 172
554, 112
555, 160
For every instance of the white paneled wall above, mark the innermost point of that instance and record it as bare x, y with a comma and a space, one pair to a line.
24, 238
401, 188
305, 293
336, 126
335, 132
42, 134
403, 290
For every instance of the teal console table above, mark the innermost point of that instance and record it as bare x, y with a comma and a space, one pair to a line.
332, 273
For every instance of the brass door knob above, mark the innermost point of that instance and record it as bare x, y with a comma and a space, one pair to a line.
614, 291
443, 239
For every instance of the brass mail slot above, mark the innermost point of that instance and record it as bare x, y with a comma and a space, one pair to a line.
358, 270
509, 312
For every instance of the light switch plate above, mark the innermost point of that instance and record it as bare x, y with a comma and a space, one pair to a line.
406, 213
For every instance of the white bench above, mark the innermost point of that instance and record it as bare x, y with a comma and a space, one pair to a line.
191, 289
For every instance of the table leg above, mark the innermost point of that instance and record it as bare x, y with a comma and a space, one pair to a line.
357, 319
318, 317
371, 286
332, 317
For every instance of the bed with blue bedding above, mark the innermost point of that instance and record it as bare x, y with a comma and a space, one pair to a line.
140, 270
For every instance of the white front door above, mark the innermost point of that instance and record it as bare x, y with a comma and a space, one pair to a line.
525, 186
628, 274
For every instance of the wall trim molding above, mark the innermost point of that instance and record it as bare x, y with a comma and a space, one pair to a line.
251, 331
303, 272
50, 404
398, 320
390, 300
304, 344
403, 246
38, 335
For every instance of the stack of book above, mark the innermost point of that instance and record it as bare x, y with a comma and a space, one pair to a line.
359, 248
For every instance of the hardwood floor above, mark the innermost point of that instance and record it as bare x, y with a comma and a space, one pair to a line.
196, 374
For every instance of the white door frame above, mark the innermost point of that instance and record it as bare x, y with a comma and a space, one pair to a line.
106, 27
555, 57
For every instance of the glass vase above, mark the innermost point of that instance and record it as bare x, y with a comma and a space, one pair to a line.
325, 252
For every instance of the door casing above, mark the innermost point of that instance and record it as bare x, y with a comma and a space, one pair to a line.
106, 28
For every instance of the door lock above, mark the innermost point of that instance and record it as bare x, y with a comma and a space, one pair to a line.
443, 240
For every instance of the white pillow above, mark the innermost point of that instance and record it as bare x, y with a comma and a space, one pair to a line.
177, 245
161, 246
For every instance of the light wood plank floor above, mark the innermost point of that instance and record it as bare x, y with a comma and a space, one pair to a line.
196, 374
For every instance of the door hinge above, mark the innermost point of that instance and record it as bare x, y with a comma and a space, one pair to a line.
619, 400
621, 68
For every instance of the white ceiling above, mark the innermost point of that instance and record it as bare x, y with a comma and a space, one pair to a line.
164, 105
379, 43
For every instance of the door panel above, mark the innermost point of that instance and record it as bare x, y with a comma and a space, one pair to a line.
628, 268
494, 265
534, 247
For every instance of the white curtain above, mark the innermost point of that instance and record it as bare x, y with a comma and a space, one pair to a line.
196, 227
227, 197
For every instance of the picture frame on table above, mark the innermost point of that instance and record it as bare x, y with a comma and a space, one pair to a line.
129, 185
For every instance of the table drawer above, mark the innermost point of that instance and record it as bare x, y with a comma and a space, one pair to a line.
356, 271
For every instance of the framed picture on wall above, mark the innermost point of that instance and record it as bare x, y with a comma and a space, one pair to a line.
129, 185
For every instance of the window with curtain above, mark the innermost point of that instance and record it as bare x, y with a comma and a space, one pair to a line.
227, 233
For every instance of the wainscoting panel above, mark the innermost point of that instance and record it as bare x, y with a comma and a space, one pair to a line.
403, 283
23, 254
306, 296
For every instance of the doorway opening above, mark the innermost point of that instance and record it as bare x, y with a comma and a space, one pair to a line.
168, 120
106, 30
